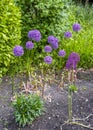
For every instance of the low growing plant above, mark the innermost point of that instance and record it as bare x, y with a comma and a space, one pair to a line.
27, 108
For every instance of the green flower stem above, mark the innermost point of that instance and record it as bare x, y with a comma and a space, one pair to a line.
69, 104
28, 65
71, 78
42, 83
13, 86
70, 93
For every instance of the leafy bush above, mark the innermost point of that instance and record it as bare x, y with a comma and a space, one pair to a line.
84, 2
54, 18
48, 16
27, 108
42, 15
10, 33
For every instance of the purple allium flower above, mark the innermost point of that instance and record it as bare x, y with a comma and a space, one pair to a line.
76, 27
70, 65
18, 50
48, 59
55, 45
74, 57
34, 35
52, 40
68, 34
47, 48
62, 53
29, 45
72, 61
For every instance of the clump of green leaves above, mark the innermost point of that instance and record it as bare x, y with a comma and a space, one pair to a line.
10, 33
27, 108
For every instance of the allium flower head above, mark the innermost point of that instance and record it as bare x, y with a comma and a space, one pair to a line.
68, 34
76, 27
18, 50
52, 39
74, 57
34, 35
55, 45
62, 53
48, 59
47, 48
72, 61
29, 45
70, 65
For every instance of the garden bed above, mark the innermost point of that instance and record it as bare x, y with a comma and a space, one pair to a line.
56, 104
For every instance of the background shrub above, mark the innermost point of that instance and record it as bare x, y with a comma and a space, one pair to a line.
54, 18
48, 16
10, 33
83, 41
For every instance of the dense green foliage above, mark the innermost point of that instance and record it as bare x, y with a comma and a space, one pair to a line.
54, 18
27, 108
44, 15
50, 17
84, 2
83, 41
10, 33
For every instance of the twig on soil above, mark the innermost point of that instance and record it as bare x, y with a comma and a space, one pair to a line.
77, 123
66, 122
82, 119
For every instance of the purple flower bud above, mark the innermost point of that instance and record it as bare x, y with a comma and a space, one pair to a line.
29, 45
62, 53
47, 48
18, 50
52, 40
76, 27
48, 59
68, 34
34, 35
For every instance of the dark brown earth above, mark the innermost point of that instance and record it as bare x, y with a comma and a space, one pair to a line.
56, 106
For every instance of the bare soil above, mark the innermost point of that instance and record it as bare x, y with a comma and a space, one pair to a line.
56, 105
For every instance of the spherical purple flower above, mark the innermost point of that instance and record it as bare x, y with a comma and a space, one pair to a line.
18, 50
55, 45
47, 48
76, 27
48, 59
52, 39
62, 53
34, 35
68, 34
29, 45
74, 57
72, 61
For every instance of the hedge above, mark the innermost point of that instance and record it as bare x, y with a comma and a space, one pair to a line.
10, 33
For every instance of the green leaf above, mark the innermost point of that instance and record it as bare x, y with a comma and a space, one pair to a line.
73, 88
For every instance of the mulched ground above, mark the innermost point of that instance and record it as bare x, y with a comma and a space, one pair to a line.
56, 106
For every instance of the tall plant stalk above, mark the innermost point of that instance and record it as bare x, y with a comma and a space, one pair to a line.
71, 89
69, 104
13, 84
